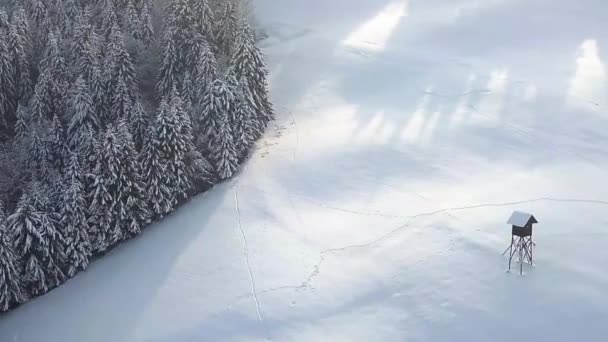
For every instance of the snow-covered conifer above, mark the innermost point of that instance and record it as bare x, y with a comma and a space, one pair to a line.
21, 45
169, 68
140, 124
30, 244
215, 107
130, 202
132, 20
224, 154
158, 191
104, 229
173, 146
100, 101
247, 62
83, 116
21, 125
240, 118
73, 220
58, 146
203, 17
147, 28
226, 31
7, 81
11, 291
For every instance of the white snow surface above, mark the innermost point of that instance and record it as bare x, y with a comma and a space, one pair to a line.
374, 208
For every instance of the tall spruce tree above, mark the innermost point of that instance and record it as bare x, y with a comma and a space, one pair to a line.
215, 107
158, 190
83, 117
31, 245
226, 31
11, 291
204, 66
240, 118
58, 147
147, 27
73, 220
224, 154
104, 228
21, 125
21, 45
130, 202
169, 68
7, 80
217, 126
44, 198
119, 66
203, 18
173, 146
139, 125
248, 63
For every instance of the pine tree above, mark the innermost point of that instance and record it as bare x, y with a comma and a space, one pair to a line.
86, 151
226, 31
83, 117
130, 204
101, 232
37, 242
73, 220
88, 58
39, 12
139, 125
121, 104
224, 154
4, 22
84, 47
169, 69
105, 231
100, 101
58, 146
55, 70
248, 63
21, 45
161, 199
7, 80
108, 17
72, 14
21, 123
255, 126
11, 291
44, 196
173, 147
147, 28
215, 107
204, 66
119, 68
42, 101
38, 155
216, 126
203, 17
30, 244
240, 118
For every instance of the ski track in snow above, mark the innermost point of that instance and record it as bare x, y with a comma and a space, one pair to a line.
246, 253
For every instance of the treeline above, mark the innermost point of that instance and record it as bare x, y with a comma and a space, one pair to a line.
112, 113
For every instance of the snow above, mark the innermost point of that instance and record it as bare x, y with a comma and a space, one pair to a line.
374, 208
519, 218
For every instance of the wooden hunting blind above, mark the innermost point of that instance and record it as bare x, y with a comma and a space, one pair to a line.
521, 238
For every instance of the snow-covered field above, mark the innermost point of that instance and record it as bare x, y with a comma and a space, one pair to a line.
374, 209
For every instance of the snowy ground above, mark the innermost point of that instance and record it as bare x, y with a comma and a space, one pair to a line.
374, 210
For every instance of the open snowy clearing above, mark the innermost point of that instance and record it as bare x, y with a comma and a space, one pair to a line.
407, 133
